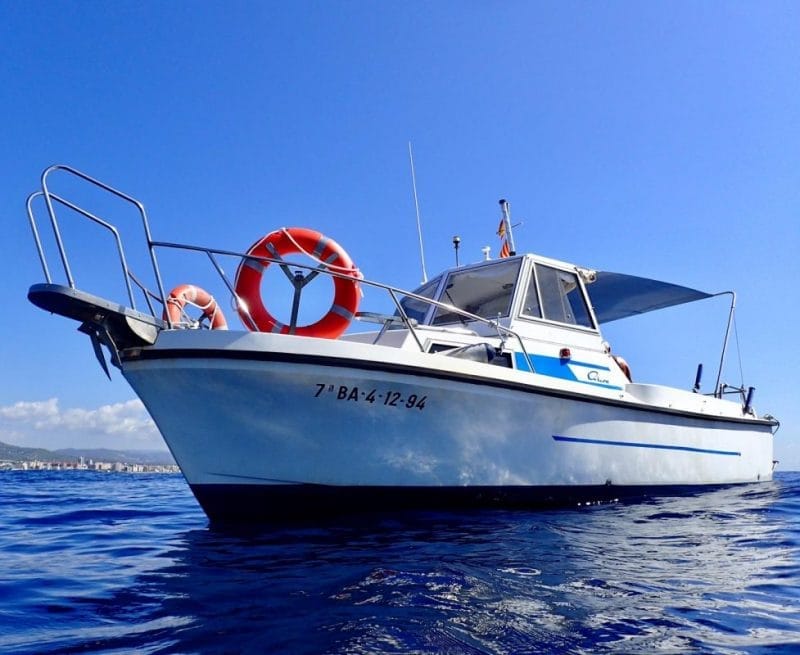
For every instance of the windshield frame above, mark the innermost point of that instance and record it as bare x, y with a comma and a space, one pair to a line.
428, 290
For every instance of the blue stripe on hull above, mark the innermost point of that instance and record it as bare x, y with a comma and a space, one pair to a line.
637, 444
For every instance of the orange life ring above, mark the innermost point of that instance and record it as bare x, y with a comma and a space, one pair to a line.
330, 254
185, 294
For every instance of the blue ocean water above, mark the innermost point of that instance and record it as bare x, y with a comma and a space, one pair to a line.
116, 563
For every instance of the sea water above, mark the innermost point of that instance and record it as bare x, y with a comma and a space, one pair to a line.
127, 563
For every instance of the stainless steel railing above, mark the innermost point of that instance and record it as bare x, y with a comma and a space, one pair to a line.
51, 200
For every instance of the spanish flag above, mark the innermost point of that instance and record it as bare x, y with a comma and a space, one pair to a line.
505, 251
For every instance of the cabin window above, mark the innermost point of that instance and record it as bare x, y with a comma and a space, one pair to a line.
485, 291
417, 309
531, 305
561, 297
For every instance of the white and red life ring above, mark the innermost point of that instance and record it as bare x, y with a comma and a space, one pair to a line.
327, 252
189, 294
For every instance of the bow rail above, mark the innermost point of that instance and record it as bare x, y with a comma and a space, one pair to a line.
51, 200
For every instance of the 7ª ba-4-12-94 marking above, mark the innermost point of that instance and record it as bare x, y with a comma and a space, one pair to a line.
388, 398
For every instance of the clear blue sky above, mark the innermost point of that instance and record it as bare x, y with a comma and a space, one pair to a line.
657, 138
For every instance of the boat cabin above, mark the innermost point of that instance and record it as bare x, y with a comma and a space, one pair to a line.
530, 313
541, 300
524, 312
523, 293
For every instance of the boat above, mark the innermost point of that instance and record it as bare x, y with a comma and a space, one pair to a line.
488, 386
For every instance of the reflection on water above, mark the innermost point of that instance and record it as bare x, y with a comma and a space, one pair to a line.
715, 572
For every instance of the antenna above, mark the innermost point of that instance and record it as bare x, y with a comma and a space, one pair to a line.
456, 244
416, 204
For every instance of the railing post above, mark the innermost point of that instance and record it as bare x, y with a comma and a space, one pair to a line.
54, 224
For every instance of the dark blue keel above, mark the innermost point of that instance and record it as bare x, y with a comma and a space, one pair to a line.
245, 503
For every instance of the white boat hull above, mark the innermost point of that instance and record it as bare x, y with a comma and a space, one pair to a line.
249, 427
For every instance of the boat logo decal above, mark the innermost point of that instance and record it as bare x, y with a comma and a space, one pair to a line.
594, 376
583, 372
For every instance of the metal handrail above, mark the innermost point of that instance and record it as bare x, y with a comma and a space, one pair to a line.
50, 198
120, 251
718, 390
37, 240
148, 295
391, 290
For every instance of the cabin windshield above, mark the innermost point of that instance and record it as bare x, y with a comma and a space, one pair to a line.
485, 291
417, 309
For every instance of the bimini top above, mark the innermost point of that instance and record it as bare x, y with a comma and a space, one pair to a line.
616, 295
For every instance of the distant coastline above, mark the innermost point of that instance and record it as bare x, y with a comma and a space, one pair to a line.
81, 459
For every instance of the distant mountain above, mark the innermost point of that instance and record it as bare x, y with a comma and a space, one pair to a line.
21, 453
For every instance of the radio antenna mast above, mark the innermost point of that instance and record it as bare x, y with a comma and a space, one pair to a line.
416, 205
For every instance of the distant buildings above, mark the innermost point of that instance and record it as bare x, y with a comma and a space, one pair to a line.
82, 465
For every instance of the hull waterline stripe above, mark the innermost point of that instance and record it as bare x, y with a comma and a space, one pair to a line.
636, 444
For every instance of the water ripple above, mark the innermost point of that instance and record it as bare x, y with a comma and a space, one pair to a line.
95, 563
